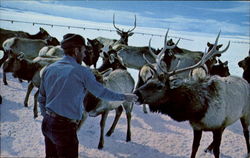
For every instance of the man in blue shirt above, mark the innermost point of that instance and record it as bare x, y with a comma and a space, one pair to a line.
63, 87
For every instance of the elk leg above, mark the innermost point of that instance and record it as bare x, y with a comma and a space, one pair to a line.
2, 61
84, 117
30, 87
217, 134
246, 133
145, 108
129, 116
4, 58
35, 112
102, 126
118, 112
20, 80
196, 142
4, 78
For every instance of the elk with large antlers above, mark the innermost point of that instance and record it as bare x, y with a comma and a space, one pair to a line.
209, 104
112, 43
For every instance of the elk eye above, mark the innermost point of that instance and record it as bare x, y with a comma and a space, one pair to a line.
159, 86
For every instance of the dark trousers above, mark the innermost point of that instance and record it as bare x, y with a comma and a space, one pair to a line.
60, 138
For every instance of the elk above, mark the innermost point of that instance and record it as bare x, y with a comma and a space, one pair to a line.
94, 48
30, 47
146, 73
220, 69
171, 55
209, 104
123, 36
118, 80
245, 65
28, 70
48, 51
5, 34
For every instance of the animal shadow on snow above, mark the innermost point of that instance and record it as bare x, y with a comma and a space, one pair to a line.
157, 122
6, 111
8, 144
121, 147
116, 144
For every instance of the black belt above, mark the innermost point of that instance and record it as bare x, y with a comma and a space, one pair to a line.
59, 117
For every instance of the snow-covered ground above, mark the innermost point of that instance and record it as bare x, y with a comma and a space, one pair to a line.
153, 135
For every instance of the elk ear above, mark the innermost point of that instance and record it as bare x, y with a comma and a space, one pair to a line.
219, 46
119, 33
130, 34
89, 41
226, 63
170, 42
42, 30
208, 44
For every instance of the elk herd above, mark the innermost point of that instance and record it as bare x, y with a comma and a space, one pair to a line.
183, 84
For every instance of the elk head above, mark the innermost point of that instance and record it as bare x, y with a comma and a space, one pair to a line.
156, 90
165, 56
124, 34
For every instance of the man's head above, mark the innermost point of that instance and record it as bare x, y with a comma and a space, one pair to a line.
74, 45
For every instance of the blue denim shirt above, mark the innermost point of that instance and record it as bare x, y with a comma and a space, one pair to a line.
64, 85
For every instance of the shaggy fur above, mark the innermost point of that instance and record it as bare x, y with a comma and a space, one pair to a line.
221, 69
113, 63
209, 104
188, 101
21, 68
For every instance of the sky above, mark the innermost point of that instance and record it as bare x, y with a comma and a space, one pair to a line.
232, 17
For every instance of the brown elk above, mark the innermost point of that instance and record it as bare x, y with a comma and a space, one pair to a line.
5, 34
209, 104
245, 65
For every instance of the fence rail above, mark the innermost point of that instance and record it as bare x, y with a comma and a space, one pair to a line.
100, 29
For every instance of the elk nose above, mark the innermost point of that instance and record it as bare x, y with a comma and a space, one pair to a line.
138, 93
240, 64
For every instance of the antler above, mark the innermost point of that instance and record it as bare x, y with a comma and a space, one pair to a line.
134, 25
205, 57
121, 30
160, 55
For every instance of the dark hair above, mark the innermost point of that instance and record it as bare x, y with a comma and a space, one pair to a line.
72, 41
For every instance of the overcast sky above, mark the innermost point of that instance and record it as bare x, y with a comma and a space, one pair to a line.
203, 16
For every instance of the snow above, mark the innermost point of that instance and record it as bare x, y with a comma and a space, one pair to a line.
153, 135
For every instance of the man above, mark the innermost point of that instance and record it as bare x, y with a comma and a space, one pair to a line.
63, 87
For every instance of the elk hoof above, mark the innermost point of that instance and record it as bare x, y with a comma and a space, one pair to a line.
128, 139
35, 116
100, 146
108, 133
